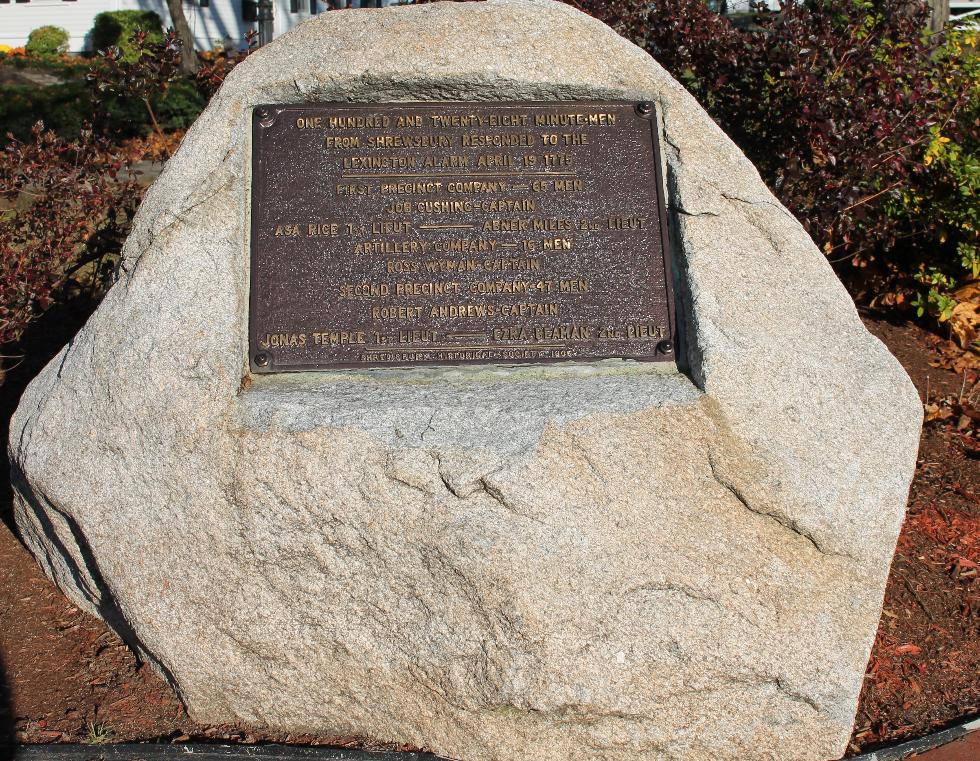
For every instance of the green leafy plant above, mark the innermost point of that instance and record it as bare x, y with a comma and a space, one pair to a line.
47, 42
942, 205
65, 67
934, 299
98, 733
64, 107
116, 29
179, 105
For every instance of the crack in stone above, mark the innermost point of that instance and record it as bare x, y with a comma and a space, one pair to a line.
774, 205
577, 714
64, 357
681, 210
445, 478
389, 470
764, 680
796, 695
574, 712
672, 587
481, 485
428, 427
575, 441
497, 495
254, 649
766, 233
178, 217
662, 108
735, 682
786, 523
449, 487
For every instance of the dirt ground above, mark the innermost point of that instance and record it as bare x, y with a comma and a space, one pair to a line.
64, 677
924, 670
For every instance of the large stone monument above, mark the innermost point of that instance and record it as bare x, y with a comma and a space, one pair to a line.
587, 559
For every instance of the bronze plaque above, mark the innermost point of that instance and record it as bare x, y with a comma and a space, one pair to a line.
397, 234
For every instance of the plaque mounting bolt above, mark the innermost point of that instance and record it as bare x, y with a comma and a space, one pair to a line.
666, 346
265, 117
262, 360
644, 108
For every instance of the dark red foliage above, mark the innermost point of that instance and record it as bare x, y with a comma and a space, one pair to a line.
157, 65
154, 66
832, 100
148, 74
216, 66
64, 211
65, 205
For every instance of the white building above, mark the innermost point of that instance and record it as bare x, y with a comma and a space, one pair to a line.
213, 22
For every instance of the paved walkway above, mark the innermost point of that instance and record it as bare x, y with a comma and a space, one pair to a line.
965, 749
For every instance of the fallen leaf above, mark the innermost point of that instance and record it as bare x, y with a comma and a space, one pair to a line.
937, 412
908, 649
964, 323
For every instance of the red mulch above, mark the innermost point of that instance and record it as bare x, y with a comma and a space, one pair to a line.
924, 671
65, 670
63, 674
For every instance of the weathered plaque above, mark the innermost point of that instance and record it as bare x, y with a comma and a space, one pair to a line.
447, 233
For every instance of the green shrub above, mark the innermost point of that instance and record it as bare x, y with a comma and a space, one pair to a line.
63, 67
47, 42
179, 105
63, 108
940, 209
66, 107
176, 108
122, 117
115, 28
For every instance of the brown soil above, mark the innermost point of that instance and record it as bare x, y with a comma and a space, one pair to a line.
64, 677
924, 670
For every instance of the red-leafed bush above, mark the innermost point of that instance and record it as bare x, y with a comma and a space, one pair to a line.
217, 64
840, 104
150, 73
144, 72
64, 212
65, 204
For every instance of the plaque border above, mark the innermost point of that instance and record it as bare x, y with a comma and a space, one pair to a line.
265, 114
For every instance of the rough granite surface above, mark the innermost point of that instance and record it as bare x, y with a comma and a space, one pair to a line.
584, 562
